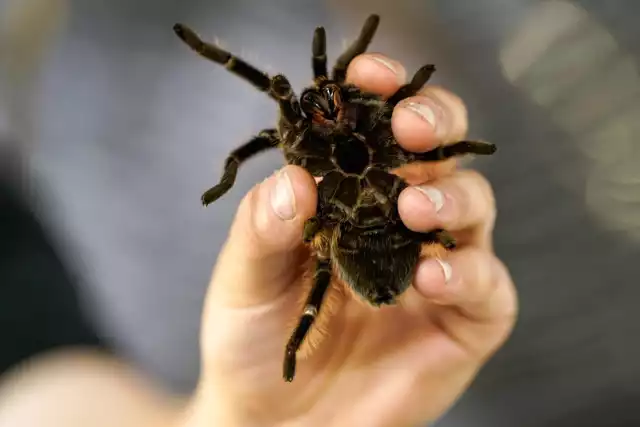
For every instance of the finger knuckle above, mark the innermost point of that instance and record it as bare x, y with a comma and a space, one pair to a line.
245, 208
480, 188
246, 223
505, 282
454, 107
480, 271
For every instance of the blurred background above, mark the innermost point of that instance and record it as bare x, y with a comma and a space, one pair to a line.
110, 129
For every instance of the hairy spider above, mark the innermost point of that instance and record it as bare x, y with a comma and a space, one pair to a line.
343, 135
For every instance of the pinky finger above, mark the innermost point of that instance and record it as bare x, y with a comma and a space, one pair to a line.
477, 297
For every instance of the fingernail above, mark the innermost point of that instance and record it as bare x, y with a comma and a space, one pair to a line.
283, 200
431, 111
399, 73
429, 279
424, 112
434, 195
446, 269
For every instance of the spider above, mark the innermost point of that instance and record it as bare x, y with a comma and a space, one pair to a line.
342, 135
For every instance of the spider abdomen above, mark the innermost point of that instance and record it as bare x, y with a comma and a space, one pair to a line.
377, 263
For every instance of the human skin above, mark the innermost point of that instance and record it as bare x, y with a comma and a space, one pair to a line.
396, 366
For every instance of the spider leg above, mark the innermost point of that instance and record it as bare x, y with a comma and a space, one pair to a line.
314, 302
277, 87
265, 140
319, 50
440, 236
445, 239
358, 47
444, 152
281, 90
420, 78
322, 219
220, 56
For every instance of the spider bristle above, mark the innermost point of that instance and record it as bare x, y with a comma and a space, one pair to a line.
221, 43
372, 21
269, 68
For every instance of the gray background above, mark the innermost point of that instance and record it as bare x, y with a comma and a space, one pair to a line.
129, 127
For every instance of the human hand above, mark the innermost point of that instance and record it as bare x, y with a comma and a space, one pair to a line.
394, 366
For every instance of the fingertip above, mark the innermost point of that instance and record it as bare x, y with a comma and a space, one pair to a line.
455, 114
434, 117
414, 126
376, 73
417, 212
282, 204
305, 192
432, 276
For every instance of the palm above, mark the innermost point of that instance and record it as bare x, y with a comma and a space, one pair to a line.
399, 346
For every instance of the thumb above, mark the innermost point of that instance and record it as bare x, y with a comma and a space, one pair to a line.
264, 253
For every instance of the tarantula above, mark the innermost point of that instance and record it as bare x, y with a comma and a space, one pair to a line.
343, 135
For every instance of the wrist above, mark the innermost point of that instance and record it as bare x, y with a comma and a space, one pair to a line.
208, 409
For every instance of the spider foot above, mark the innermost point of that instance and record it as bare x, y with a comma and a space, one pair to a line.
446, 239
281, 87
474, 147
289, 368
213, 194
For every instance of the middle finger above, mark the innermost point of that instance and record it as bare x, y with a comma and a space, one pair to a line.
435, 116
462, 201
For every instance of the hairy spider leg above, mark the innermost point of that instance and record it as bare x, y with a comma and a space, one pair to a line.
444, 238
282, 92
358, 47
319, 51
220, 56
440, 236
444, 152
322, 280
265, 140
419, 79
277, 87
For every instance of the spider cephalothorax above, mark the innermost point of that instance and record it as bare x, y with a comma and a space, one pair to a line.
343, 135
